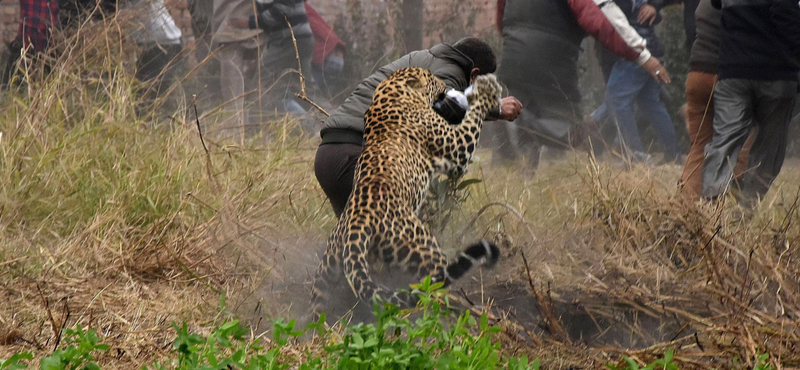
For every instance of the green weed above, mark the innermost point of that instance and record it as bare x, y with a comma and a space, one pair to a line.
664, 363
433, 340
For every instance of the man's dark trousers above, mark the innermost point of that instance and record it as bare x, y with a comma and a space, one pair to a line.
335, 168
740, 106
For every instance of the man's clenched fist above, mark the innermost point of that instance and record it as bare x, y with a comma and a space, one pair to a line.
510, 108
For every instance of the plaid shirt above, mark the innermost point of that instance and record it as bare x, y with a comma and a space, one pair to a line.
36, 19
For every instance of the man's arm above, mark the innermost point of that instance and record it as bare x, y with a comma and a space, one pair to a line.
453, 107
606, 23
611, 14
498, 16
661, 4
450, 110
267, 16
785, 16
650, 12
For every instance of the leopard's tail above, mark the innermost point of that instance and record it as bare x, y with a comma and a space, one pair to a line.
482, 253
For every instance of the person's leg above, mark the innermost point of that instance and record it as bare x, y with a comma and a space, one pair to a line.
277, 60
148, 67
773, 108
167, 67
305, 50
623, 87
700, 120
173, 67
232, 82
279, 84
503, 136
10, 67
335, 168
155, 59
530, 149
151, 62
331, 71
649, 102
600, 114
733, 121
593, 125
744, 155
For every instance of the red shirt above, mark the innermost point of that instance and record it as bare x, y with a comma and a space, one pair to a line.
36, 20
325, 40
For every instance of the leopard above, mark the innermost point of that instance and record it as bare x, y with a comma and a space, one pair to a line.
406, 143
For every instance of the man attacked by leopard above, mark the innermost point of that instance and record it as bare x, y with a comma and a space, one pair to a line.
457, 65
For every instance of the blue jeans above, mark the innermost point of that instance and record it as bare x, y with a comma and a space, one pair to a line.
629, 84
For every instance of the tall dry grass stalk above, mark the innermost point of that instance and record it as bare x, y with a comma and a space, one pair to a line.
618, 263
729, 282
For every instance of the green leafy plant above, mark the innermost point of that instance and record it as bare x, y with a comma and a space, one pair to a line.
13, 362
228, 347
428, 337
762, 362
78, 354
434, 339
664, 363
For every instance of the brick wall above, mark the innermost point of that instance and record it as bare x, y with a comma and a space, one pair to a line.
330, 9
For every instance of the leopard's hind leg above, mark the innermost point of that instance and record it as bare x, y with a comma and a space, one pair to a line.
411, 245
327, 281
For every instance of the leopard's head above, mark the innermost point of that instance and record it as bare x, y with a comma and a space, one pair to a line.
422, 81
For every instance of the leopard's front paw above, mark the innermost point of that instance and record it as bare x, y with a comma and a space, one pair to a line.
486, 89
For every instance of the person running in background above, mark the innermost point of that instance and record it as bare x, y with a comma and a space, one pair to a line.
237, 52
37, 19
329, 50
703, 69
160, 43
629, 87
275, 18
759, 63
539, 64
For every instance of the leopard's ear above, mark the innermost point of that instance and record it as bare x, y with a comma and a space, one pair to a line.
414, 83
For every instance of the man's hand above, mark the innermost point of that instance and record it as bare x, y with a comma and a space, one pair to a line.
510, 108
239, 22
655, 69
647, 15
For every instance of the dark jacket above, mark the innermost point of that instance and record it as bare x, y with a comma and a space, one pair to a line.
346, 123
760, 39
541, 44
542, 41
705, 50
272, 17
689, 21
631, 9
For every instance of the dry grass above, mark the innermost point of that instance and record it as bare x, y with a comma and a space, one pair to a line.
126, 224
119, 222
633, 270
